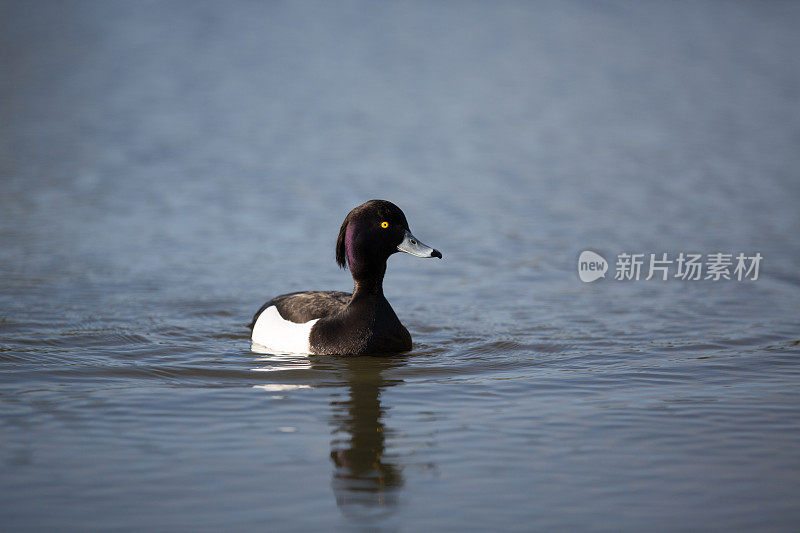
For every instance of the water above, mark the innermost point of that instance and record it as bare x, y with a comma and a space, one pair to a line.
168, 167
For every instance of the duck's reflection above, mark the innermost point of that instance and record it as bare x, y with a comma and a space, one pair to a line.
366, 482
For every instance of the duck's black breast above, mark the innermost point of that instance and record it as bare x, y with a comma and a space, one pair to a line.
300, 307
368, 326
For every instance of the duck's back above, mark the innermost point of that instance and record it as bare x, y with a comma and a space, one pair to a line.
300, 307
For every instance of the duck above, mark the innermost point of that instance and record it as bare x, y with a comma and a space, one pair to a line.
342, 323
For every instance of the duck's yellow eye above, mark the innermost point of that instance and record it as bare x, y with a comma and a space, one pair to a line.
384, 224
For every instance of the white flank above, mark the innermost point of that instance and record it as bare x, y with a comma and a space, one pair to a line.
283, 336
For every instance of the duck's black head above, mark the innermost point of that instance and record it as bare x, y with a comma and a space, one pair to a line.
371, 233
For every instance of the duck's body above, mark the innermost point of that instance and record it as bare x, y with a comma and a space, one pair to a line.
326, 323
334, 322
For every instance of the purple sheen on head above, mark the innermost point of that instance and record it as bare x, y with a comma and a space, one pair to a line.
348, 244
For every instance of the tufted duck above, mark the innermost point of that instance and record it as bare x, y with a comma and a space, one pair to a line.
332, 322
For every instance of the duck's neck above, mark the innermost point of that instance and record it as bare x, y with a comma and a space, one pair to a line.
369, 283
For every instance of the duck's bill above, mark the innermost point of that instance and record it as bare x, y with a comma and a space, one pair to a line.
411, 245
